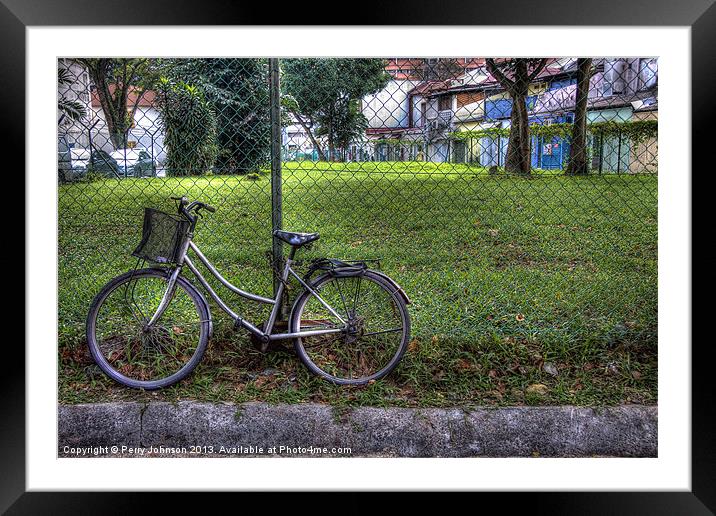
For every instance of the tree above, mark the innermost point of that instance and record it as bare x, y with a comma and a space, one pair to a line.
190, 128
324, 97
578, 155
114, 80
515, 76
238, 91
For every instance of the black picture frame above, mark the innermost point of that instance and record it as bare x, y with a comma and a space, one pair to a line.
700, 15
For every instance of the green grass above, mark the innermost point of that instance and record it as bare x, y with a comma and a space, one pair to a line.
505, 274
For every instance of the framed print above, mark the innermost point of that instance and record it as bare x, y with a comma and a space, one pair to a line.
284, 241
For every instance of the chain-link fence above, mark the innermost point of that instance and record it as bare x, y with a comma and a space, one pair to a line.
511, 198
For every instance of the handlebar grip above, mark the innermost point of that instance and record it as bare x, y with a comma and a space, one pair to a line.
209, 208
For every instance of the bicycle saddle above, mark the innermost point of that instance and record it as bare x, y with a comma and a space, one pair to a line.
296, 239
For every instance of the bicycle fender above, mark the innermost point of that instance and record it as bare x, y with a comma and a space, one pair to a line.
360, 272
395, 285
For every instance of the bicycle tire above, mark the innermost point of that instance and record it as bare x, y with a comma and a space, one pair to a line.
295, 324
205, 324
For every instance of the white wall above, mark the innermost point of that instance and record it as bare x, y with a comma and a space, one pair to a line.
148, 132
388, 107
79, 90
295, 135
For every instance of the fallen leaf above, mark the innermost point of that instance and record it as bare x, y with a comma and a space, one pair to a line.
406, 391
413, 346
464, 364
550, 369
537, 389
520, 317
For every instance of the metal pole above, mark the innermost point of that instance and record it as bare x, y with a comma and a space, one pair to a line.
276, 190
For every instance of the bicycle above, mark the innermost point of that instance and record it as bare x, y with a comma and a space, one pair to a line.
149, 328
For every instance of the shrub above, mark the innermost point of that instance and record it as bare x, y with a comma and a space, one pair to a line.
190, 129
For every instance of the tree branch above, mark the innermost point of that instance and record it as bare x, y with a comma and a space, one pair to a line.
540, 66
497, 74
310, 134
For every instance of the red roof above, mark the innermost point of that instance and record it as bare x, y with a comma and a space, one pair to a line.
438, 87
412, 68
430, 87
146, 100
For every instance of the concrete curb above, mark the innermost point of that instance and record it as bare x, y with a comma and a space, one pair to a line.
318, 430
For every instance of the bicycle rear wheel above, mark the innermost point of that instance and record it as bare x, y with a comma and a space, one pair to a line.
131, 352
376, 334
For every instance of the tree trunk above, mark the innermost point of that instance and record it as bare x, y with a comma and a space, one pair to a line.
114, 104
118, 139
578, 154
518, 147
331, 150
303, 124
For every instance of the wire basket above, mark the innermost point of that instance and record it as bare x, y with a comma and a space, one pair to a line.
163, 235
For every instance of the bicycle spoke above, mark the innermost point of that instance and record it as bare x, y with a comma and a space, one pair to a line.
343, 299
140, 352
372, 338
382, 331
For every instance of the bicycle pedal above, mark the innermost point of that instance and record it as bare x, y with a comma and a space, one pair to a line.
265, 343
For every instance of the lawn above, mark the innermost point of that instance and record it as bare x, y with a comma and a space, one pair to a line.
514, 282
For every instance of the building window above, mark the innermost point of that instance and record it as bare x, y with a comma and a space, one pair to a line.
647, 73
444, 103
472, 97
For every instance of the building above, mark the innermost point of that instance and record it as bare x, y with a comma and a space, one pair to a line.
74, 132
406, 118
147, 130
621, 90
296, 144
91, 132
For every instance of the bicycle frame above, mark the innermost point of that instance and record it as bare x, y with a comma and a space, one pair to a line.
267, 334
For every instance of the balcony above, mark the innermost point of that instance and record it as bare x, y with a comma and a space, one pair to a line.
439, 121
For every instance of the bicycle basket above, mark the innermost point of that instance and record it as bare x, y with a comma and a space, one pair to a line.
162, 236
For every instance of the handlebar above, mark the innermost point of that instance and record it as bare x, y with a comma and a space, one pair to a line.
185, 207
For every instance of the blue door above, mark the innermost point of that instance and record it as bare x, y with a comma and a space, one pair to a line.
551, 153
488, 152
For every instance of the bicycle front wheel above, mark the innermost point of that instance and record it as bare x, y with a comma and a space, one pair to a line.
374, 323
137, 354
